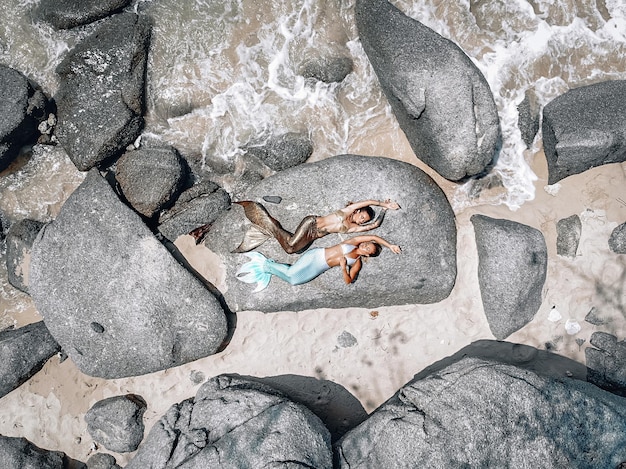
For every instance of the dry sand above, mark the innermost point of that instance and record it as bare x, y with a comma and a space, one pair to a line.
391, 344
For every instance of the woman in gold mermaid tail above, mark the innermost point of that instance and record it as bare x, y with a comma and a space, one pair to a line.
348, 255
354, 218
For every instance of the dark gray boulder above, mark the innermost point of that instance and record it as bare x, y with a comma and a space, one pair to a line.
441, 100
234, 422
22, 107
24, 352
617, 240
327, 69
122, 305
584, 128
512, 267
529, 117
568, 231
150, 178
102, 461
19, 453
20, 238
117, 422
283, 151
606, 361
199, 205
66, 14
424, 228
100, 100
477, 413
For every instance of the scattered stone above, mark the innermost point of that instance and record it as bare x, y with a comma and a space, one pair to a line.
424, 228
200, 205
512, 267
117, 422
24, 352
284, 151
593, 317
196, 377
568, 236
236, 422
477, 413
529, 117
607, 362
151, 178
584, 128
19, 241
102, 461
66, 14
273, 199
617, 241
327, 69
19, 453
346, 340
100, 100
22, 107
106, 267
440, 98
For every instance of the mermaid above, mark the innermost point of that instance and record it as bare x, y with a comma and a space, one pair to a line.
354, 218
348, 255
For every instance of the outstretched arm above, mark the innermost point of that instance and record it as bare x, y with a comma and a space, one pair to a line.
388, 204
355, 241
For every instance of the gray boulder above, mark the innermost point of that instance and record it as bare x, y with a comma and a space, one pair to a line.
477, 413
424, 228
234, 422
24, 352
150, 178
617, 240
122, 305
512, 266
117, 422
102, 461
100, 99
584, 128
606, 361
20, 238
529, 117
327, 69
441, 100
22, 107
19, 453
283, 151
568, 231
66, 14
199, 205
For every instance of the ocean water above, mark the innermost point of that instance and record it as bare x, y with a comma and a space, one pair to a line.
224, 74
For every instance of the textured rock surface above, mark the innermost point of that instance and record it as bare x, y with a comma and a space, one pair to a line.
22, 106
19, 453
529, 117
122, 306
100, 99
439, 97
102, 461
425, 229
283, 151
512, 266
20, 238
477, 413
24, 352
607, 362
234, 422
150, 178
65, 14
617, 240
327, 69
568, 232
584, 128
117, 422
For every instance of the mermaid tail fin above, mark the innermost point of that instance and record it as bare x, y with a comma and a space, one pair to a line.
252, 238
264, 226
254, 271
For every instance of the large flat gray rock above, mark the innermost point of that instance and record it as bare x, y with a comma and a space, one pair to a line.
113, 296
441, 100
425, 229
477, 413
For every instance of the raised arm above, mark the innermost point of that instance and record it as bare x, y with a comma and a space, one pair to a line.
350, 272
387, 204
356, 240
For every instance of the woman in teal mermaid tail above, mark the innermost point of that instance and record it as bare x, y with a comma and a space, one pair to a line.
314, 262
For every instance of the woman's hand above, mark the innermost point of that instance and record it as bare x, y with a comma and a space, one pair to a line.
395, 248
390, 204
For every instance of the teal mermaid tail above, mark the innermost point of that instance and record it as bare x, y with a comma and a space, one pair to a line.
254, 271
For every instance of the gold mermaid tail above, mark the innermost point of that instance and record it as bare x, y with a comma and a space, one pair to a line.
263, 227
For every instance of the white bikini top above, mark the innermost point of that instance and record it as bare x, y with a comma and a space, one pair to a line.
345, 249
